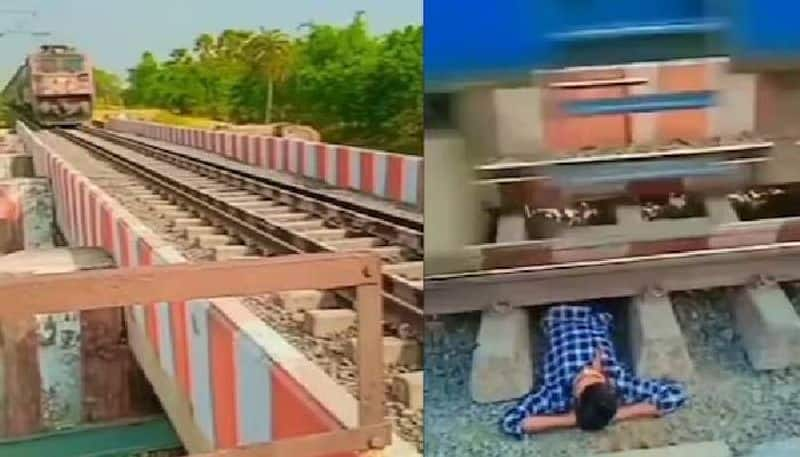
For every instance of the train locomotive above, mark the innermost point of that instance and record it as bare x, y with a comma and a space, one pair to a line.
525, 80
54, 87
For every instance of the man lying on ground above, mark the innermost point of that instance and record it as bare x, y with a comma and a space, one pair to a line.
582, 381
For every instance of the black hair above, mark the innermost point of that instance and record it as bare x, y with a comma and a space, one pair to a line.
596, 406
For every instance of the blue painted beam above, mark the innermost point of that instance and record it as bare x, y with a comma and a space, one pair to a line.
700, 26
628, 172
114, 439
642, 103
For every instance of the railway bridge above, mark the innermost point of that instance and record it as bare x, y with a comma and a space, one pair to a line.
205, 291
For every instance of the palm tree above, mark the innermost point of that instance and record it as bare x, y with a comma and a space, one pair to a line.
271, 55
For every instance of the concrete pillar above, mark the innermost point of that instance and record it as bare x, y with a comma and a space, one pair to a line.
407, 388
454, 217
500, 122
16, 166
768, 325
26, 214
474, 115
511, 227
628, 215
657, 345
720, 210
42, 354
502, 367
778, 104
519, 121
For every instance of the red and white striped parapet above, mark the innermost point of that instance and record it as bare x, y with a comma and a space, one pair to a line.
394, 177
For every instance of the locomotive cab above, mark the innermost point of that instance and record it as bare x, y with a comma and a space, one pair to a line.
61, 86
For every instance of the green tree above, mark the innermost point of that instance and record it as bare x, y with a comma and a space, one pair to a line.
269, 55
144, 82
353, 86
108, 88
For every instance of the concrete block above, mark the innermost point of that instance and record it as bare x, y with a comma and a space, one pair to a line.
36, 351
408, 270
304, 226
177, 214
407, 388
511, 227
229, 252
628, 214
783, 448
194, 231
396, 351
151, 198
720, 210
164, 207
269, 210
55, 260
249, 198
768, 325
451, 224
735, 111
138, 189
502, 367
518, 120
704, 449
286, 217
326, 322
26, 214
303, 300
778, 109
16, 166
658, 347
180, 223
326, 234
213, 240
229, 191
388, 253
255, 205
348, 244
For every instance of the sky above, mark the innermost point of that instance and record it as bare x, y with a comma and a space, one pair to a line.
116, 32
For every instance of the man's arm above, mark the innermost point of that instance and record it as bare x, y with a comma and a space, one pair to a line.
648, 397
636, 411
541, 403
536, 424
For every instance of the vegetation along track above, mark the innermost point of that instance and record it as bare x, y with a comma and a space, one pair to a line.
274, 218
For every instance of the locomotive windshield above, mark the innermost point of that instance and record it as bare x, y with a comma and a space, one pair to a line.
60, 64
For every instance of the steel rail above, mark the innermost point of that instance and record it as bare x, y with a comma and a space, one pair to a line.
622, 277
256, 230
710, 151
349, 208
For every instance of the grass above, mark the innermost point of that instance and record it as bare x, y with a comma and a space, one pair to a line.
155, 115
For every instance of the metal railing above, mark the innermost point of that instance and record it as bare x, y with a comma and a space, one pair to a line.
87, 290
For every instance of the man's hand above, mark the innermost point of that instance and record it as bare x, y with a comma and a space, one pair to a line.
536, 424
635, 411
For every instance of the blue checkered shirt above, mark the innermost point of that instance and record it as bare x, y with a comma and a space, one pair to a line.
575, 334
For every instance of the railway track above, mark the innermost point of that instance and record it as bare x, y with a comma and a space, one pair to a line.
629, 205
696, 291
256, 216
605, 278
561, 182
242, 215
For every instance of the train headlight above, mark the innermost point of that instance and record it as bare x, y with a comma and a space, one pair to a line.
44, 107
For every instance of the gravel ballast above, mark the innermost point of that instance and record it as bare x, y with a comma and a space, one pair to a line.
729, 401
